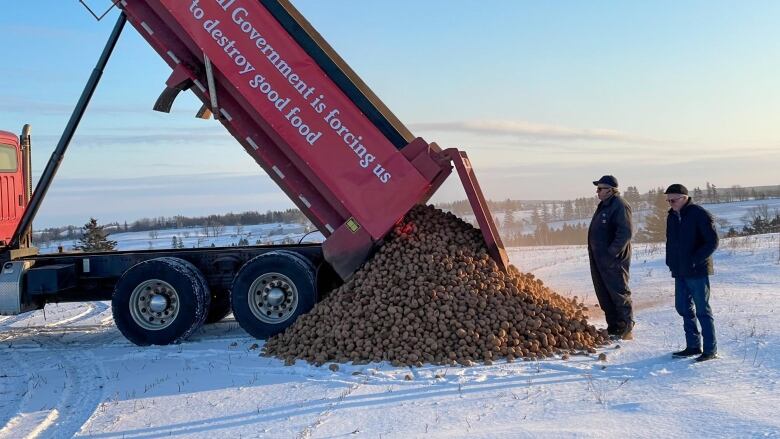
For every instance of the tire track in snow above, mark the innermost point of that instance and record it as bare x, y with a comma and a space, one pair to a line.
14, 383
66, 327
307, 432
8, 321
93, 309
77, 378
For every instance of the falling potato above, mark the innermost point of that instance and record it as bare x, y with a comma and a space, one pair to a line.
431, 294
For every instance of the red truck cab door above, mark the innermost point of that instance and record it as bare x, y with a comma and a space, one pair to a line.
12, 193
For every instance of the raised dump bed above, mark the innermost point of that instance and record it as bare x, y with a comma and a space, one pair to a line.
303, 115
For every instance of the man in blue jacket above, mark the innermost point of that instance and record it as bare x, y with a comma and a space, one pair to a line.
609, 252
691, 239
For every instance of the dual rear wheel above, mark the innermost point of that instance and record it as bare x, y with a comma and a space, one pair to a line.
271, 291
160, 301
164, 300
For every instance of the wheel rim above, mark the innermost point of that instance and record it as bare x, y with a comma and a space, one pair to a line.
154, 304
273, 298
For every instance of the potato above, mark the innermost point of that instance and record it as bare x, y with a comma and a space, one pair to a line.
432, 294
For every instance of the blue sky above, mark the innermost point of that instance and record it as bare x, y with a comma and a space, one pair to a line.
544, 96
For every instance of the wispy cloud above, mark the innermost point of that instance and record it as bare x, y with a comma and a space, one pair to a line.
194, 136
177, 137
13, 104
531, 131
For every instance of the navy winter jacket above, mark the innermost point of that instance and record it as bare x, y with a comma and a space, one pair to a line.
691, 239
609, 234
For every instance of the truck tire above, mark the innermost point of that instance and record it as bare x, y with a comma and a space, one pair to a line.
271, 291
160, 301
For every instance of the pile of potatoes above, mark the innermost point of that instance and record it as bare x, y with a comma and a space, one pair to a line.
431, 294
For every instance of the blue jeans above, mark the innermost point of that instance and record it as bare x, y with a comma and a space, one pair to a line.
690, 292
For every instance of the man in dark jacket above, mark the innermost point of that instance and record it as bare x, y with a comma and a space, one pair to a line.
691, 239
609, 251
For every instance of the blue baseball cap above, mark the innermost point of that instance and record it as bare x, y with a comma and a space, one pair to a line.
607, 180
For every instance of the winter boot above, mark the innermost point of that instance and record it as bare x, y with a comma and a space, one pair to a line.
707, 356
687, 352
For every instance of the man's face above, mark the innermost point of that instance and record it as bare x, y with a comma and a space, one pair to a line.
603, 192
676, 201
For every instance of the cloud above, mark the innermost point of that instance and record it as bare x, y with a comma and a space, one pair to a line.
180, 137
13, 104
213, 135
531, 131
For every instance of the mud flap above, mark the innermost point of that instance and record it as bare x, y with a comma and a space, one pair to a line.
346, 249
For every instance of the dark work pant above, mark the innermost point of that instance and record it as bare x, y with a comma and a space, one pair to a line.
611, 285
690, 292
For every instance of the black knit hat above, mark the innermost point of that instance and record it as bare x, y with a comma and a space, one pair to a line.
606, 180
677, 188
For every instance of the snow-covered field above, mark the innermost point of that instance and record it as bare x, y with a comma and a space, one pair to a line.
271, 233
727, 215
735, 214
68, 372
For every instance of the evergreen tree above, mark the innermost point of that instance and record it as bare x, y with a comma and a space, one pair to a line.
94, 238
545, 213
568, 210
535, 217
542, 234
632, 197
509, 219
655, 223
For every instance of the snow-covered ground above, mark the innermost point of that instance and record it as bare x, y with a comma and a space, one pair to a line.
68, 372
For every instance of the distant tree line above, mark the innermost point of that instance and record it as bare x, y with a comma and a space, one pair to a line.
711, 194
650, 209
758, 221
544, 235
546, 211
228, 219
212, 224
543, 212
758, 226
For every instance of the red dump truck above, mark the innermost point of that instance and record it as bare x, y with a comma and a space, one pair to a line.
302, 114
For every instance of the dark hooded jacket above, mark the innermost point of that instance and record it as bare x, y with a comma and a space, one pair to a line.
609, 234
691, 239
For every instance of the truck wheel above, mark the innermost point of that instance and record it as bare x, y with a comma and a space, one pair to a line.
271, 291
219, 308
160, 301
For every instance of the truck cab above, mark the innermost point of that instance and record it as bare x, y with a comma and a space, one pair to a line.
14, 180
